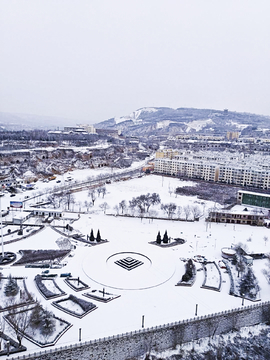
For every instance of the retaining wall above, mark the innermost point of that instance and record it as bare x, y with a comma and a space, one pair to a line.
134, 344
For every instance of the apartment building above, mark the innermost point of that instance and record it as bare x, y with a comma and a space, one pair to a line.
237, 168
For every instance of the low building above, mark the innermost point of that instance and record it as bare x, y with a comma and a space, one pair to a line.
245, 216
9, 182
108, 132
19, 217
80, 128
56, 213
253, 198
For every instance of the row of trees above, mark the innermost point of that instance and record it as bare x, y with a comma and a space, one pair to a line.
143, 203
66, 198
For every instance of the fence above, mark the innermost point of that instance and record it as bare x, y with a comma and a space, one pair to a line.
160, 338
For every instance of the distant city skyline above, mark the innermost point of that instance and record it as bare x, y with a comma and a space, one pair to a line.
93, 60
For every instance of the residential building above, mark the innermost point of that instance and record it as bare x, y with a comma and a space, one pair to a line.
231, 168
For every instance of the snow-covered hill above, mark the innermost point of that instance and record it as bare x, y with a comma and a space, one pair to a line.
168, 121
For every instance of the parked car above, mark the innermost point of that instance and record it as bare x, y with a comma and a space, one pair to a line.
65, 275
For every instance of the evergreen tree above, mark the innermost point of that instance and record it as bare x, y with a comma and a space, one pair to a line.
92, 238
11, 288
47, 322
35, 317
165, 238
249, 284
158, 241
98, 236
189, 271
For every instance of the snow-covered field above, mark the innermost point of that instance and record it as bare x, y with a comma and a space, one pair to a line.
148, 290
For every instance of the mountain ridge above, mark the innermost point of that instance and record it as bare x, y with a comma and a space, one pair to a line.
169, 121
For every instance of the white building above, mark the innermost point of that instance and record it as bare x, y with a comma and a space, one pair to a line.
237, 169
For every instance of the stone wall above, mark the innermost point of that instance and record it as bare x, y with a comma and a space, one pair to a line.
134, 344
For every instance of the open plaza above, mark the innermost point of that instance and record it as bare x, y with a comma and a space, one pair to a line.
128, 263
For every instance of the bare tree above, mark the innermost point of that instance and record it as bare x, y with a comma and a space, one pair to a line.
87, 204
92, 195
104, 206
196, 212
154, 200
187, 211
132, 205
103, 191
19, 319
52, 198
143, 202
99, 191
123, 205
179, 211
68, 199
169, 209
116, 209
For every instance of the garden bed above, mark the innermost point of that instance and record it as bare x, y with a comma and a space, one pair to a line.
236, 281
20, 297
76, 284
36, 256
172, 242
75, 306
188, 279
212, 276
101, 295
48, 287
35, 334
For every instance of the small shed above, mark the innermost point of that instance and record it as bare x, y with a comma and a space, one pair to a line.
18, 217
248, 259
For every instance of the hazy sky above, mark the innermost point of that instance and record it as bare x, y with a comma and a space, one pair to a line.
91, 60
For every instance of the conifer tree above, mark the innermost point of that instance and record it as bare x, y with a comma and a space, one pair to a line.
165, 238
249, 284
92, 238
98, 236
11, 288
158, 240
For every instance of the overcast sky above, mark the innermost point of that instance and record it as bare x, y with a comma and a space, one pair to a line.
91, 60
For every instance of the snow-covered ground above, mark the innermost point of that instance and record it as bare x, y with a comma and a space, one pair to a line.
148, 290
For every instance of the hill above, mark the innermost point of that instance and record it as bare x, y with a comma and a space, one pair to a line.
168, 121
